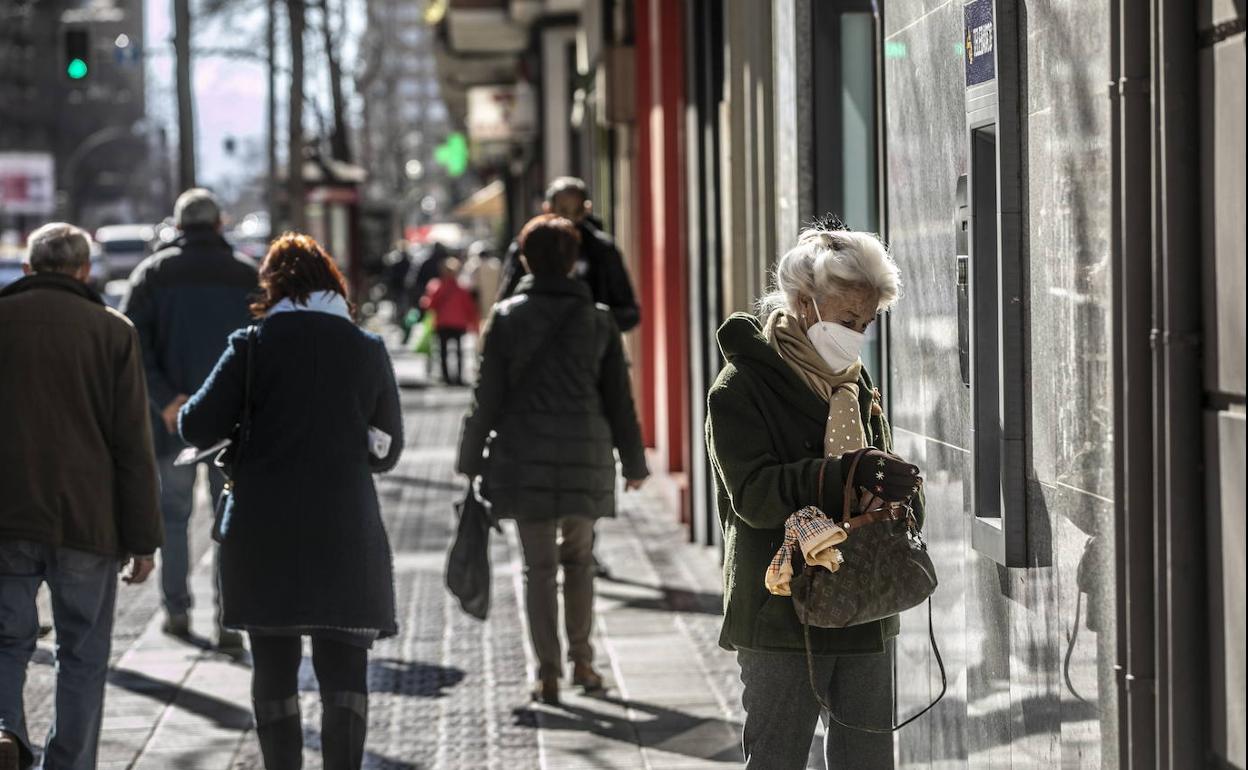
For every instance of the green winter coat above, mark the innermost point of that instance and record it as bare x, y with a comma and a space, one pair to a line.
764, 434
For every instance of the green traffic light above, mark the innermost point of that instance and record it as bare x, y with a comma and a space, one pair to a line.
77, 69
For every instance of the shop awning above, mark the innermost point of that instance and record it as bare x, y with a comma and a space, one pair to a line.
490, 202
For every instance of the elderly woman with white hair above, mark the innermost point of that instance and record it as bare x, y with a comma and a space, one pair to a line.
793, 399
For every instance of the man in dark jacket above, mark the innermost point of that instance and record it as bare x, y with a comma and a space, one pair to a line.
77, 487
599, 264
185, 301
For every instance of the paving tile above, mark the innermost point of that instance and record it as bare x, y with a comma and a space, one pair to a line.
449, 691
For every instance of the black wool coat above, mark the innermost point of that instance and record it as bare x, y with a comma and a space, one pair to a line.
304, 544
553, 452
764, 434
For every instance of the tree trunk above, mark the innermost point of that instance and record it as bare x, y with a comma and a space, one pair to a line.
186, 103
339, 145
294, 165
271, 182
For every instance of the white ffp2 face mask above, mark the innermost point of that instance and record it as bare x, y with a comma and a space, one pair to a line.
838, 345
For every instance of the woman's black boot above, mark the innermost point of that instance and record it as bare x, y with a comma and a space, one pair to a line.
344, 725
280, 730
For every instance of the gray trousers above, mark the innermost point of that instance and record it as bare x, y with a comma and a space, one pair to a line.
544, 552
781, 711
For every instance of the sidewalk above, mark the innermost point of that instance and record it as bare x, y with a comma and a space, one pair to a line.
449, 691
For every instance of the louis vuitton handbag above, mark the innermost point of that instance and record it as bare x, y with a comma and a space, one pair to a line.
886, 570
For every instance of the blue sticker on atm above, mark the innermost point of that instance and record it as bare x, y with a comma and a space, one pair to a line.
979, 42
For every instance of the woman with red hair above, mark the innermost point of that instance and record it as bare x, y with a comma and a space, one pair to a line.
304, 551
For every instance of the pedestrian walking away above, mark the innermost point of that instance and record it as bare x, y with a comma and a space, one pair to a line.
303, 549
483, 271
553, 387
78, 489
185, 300
425, 268
455, 314
793, 399
599, 264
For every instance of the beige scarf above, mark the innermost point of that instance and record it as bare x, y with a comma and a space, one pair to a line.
844, 431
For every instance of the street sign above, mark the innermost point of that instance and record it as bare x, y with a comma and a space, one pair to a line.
502, 113
452, 155
27, 183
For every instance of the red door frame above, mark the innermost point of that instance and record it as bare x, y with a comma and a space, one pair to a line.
664, 259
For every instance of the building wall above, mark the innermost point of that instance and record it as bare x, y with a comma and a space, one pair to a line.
404, 115
1223, 208
663, 277
1029, 651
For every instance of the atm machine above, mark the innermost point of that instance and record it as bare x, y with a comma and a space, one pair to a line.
991, 266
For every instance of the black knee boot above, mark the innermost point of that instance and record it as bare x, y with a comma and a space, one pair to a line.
344, 725
280, 730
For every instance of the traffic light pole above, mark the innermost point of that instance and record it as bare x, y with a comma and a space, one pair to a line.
186, 104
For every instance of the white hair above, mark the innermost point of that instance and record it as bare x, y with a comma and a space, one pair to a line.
825, 263
196, 207
58, 247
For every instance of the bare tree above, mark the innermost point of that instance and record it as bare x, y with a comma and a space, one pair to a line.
186, 104
270, 39
295, 10
339, 143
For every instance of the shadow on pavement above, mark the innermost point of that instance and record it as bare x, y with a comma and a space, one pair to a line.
672, 600
416, 481
397, 677
667, 730
220, 712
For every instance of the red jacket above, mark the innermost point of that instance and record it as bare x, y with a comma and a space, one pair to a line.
454, 305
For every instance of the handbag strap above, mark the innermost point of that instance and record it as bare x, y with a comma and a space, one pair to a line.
244, 423
810, 668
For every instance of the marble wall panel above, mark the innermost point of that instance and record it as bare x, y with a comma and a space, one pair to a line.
1029, 652
940, 736
901, 14
923, 116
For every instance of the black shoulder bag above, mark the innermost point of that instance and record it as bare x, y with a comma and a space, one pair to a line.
468, 572
228, 459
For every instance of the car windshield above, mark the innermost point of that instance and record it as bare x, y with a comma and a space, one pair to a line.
127, 245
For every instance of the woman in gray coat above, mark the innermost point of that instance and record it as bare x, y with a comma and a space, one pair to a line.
554, 391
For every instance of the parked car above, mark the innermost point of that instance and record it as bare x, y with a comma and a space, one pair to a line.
124, 247
13, 254
10, 270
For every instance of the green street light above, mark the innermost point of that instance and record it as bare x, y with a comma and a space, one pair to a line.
453, 154
77, 69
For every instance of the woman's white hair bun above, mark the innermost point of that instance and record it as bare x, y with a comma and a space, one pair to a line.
829, 258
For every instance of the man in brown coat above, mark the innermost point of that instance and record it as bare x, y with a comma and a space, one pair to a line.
78, 487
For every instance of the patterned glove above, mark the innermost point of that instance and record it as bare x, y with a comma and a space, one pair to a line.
886, 477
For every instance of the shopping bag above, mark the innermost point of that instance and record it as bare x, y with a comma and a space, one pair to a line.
468, 572
422, 334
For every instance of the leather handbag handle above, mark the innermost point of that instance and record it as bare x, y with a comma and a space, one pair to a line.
848, 497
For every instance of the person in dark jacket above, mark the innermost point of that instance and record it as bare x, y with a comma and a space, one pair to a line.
185, 300
599, 263
553, 385
425, 268
77, 487
304, 551
793, 397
